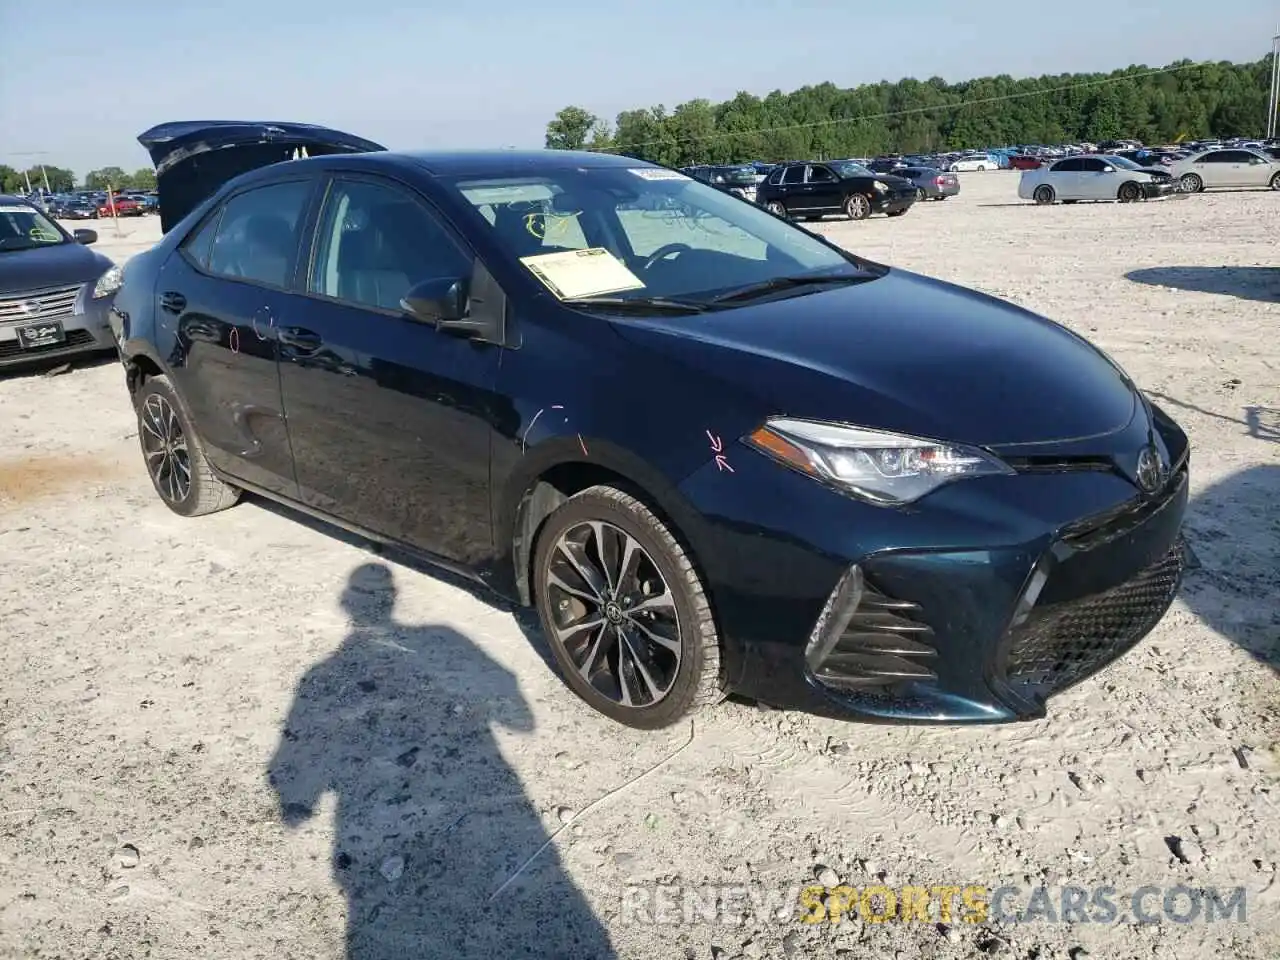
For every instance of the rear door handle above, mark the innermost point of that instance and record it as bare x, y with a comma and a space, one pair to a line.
172, 302
300, 338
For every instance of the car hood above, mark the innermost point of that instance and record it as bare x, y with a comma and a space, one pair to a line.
910, 354
53, 266
193, 158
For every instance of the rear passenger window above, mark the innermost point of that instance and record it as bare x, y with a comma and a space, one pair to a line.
257, 237
198, 246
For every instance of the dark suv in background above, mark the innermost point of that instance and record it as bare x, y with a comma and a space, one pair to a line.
737, 179
813, 190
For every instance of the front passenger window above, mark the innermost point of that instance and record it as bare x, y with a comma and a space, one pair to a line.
257, 237
376, 242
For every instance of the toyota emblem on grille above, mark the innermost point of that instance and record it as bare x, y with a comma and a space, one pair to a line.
29, 307
1150, 472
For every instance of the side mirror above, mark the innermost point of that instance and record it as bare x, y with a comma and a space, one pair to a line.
439, 302
86, 236
1108, 169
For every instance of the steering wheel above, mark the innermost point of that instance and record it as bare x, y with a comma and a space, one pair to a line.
664, 251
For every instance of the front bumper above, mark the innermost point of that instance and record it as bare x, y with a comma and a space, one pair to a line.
977, 608
82, 319
1156, 189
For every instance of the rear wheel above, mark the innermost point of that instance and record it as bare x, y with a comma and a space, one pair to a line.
1275, 182
920, 194
1043, 194
857, 207
776, 208
625, 611
1191, 183
1129, 192
174, 454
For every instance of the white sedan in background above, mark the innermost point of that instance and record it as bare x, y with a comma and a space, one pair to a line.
1094, 177
1225, 167
971, 162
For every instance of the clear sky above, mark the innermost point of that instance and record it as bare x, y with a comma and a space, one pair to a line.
492, 72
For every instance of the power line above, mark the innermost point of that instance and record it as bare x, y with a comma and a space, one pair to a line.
914, 110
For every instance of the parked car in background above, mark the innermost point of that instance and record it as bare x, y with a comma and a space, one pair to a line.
1093, 177
813, 190
739, 180
841, 498
54, 292
123, 207
77, 209
1215, 169
973, 162
931, 183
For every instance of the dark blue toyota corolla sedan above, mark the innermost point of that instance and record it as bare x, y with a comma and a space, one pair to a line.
716, 452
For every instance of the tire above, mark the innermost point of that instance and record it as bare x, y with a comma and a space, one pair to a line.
1191, 183
896, 213
690, 679
1275, 182
920, 194
1129, 192
857, 207
776, 208
163, 425
1043, 194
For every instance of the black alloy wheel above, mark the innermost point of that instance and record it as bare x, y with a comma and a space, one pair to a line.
625, 611
174, 455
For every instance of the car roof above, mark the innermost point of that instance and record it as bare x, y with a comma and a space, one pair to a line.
8, 198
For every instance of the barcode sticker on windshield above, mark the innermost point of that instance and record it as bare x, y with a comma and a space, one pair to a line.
657, 173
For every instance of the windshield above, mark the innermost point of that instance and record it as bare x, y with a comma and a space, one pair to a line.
847, 168
1123, 163
737, 174
23, 227
643, 233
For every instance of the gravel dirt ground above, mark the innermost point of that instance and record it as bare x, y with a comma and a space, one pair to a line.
218, 734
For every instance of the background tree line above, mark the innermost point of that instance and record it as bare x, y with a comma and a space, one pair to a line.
62, 180
1185, 101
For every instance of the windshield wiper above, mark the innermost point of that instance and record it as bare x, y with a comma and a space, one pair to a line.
639, 304
765, 287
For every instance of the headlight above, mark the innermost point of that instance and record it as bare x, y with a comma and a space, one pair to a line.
108, 283
879, 187
884, 468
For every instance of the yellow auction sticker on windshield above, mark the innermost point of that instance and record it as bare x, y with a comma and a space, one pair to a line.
592, 272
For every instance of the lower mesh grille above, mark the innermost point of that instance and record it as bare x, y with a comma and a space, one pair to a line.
1063, 644
881, 641
75, 338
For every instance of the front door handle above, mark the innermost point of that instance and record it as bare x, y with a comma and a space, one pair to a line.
300, 338
173, 302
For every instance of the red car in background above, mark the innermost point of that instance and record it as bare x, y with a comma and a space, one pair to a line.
1024, 161
125, 207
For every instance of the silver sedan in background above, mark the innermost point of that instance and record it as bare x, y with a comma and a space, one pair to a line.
1238, 168
930, 183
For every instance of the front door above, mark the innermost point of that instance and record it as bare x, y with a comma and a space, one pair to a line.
216, 296
389, 418
822, 189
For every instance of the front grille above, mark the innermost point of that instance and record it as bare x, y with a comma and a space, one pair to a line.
1112, 524
1062, 644
33, 306
75, 338
866, 639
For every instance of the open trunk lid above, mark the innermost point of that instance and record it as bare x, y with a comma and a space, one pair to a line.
193, 158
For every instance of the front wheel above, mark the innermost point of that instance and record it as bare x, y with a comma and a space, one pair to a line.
895, 213
174, 454
857, 207
920, 194
625, 611
1043, 194
1129, 192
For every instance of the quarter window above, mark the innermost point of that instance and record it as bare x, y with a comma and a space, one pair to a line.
376, 242
257, 235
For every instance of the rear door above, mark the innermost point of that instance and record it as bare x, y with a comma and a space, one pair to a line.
1064, 176
389, 418
219, 298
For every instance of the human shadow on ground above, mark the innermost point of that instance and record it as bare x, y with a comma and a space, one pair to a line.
1261, 423
1247, 283
430, 819
1234, 530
